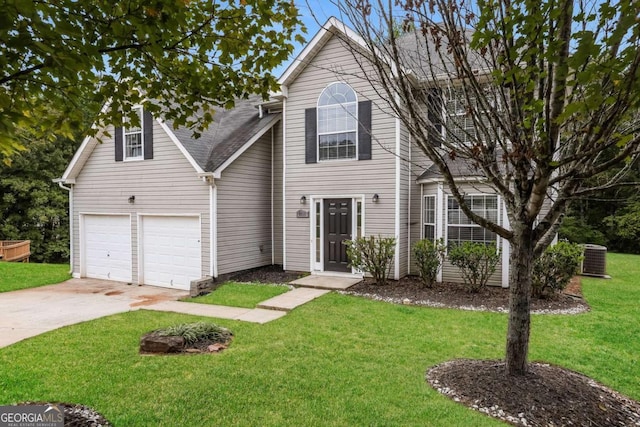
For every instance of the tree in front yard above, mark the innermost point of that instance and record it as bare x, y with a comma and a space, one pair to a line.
537, 98
185, 56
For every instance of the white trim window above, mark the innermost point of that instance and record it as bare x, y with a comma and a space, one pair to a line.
462, 129
429, 218
461, 229
337, 123
133, 138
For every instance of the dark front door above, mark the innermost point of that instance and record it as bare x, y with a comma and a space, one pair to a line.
337, 229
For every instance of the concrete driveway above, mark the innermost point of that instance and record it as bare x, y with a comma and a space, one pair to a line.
30, 312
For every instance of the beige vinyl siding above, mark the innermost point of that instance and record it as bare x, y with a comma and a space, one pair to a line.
342, 177
277, 193
419, 164
404, 165
166, 184
244, 210
451, 273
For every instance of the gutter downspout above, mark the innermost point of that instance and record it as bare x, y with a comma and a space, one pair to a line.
70, 190
209, 179
284, 177
273, 230
396, 274
214, 229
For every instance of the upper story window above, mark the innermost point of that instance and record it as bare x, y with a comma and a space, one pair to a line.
337, 123
133, 138
461, 127
455, 107
461, 229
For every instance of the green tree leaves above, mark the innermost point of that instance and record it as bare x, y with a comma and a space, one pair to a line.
177, 58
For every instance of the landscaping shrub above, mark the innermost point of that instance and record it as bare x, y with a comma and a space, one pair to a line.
476, 262
553, 271
428, 255
200, 331
372, 255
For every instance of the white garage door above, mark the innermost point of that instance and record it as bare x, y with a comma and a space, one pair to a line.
107, 247
171, 251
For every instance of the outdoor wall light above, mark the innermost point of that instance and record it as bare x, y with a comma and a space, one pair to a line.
375, 198
303, 200
132, 199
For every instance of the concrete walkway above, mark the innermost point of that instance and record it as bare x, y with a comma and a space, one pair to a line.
30, 312
292, 299
320, 281
254, 315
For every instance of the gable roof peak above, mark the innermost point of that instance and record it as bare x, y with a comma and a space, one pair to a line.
330, 28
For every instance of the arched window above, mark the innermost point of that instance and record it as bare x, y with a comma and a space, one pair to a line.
337, 122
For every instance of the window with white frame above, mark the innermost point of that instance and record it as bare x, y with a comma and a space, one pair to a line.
458, 106
337, 122
461, 229
133, 140
429, 218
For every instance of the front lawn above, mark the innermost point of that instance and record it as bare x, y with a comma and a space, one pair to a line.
240, 294
18, 275
337, 361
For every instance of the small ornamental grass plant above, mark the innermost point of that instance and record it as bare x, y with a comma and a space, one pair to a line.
428, 256
372, 255
199, 331
553, 271
476, 262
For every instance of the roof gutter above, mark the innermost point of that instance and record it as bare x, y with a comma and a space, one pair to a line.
457, 179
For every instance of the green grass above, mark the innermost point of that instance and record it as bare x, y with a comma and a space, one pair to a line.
18, 275
337, 361
240, 294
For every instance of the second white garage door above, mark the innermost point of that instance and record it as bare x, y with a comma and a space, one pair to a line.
170, 251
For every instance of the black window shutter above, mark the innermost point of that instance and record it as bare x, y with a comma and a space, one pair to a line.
119, 145
310, 135
147, 129
434, 115
364, 130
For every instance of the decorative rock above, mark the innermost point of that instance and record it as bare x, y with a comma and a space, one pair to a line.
152, 343
215, 348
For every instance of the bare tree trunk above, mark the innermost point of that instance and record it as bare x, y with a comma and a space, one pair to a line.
519, 300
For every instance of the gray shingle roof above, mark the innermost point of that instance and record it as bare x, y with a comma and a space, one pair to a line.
459, 168
230, 130
420, 54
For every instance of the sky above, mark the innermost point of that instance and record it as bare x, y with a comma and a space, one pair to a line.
314, 14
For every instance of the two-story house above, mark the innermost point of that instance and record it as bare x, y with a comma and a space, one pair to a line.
280, 182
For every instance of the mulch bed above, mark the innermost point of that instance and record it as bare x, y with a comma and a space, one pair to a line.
76, 415
410, 290
206, 346
546, 396
268, 274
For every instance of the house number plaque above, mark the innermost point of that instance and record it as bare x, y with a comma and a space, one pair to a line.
302, 214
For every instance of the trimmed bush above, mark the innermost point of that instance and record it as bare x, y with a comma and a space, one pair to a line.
476, 262
372, 255
428, 256
200, 331
553, 271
